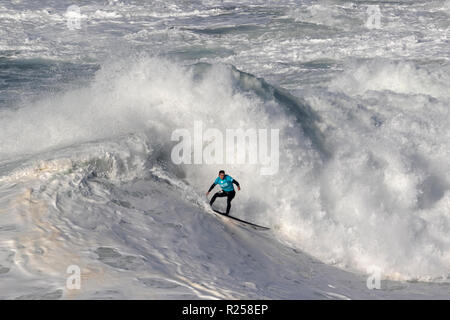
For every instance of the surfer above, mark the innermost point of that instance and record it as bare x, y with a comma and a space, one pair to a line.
226, 183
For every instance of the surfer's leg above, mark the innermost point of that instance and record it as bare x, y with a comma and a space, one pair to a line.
217, 194
230, 196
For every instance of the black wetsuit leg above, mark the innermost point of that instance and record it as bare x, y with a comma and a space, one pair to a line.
219, 194
229, 194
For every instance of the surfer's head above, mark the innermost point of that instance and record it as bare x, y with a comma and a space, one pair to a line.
221, 174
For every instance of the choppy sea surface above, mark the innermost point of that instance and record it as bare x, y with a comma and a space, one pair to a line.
90, 95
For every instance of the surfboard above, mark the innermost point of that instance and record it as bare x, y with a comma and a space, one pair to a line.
255, 226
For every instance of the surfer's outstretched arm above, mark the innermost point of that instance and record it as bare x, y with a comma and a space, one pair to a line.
210, 188
237, 184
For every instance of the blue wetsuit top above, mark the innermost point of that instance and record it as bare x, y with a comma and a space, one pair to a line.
226, 184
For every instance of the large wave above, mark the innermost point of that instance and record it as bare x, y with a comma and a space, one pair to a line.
362, 176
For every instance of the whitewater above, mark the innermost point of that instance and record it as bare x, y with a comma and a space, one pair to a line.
87, 111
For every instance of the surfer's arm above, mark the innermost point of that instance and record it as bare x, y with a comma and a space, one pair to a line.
237, 184
212, 187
